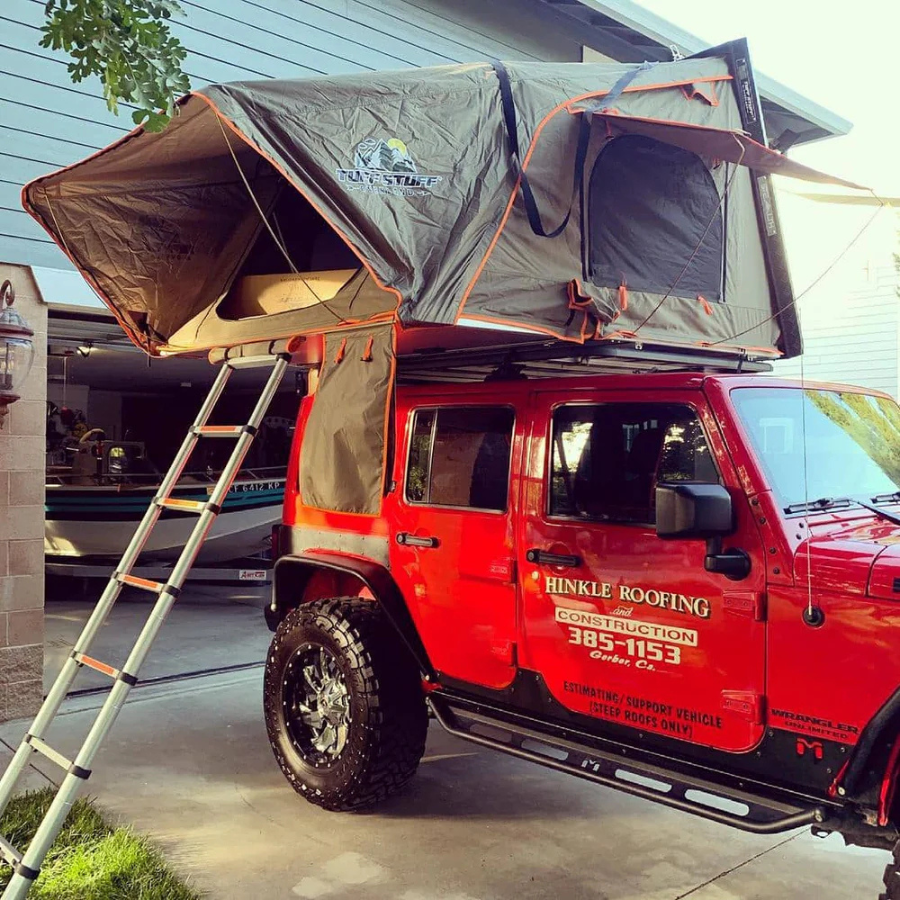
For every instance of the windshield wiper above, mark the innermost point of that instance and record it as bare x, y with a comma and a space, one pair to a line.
887, 498
824, 503
821, 503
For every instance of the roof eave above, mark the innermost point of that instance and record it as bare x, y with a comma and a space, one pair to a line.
824, 123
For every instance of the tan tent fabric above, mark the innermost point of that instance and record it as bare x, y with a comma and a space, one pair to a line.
342, 461
407, 178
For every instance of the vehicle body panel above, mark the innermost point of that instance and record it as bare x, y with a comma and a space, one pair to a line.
781, 700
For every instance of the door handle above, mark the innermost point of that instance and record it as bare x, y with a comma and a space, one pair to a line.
562, 560
413, 540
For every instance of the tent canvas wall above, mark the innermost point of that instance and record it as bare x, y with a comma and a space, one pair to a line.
428, 189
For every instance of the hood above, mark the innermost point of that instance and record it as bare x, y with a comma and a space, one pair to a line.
856, 556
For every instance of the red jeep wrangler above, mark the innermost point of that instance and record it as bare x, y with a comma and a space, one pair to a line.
683, 586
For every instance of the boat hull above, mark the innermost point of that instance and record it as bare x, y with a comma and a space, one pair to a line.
98, 522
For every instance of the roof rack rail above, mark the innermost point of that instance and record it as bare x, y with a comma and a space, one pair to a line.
553, 358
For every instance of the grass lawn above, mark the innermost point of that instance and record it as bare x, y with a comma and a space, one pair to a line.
90, 860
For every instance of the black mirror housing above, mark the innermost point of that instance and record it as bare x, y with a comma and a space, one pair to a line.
693, 511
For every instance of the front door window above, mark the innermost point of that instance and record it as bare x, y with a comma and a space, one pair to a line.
608, 459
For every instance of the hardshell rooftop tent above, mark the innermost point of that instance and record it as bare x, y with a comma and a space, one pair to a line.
273, 209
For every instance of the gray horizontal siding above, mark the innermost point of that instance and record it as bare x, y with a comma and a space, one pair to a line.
47, 122
859, 343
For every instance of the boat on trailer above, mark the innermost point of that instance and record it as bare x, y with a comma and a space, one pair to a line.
93, 506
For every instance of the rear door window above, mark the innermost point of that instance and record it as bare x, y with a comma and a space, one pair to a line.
460, 456
607, 459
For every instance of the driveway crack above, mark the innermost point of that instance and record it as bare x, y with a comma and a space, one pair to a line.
740, 865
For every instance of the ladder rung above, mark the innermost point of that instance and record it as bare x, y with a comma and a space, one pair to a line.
55, 756
219, 430
197, 506
252, 362
8, 852
89, 661
145, 584
95, 664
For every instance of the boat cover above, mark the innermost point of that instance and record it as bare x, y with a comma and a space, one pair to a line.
443, 189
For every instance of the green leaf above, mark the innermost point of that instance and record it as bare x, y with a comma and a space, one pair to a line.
127, 44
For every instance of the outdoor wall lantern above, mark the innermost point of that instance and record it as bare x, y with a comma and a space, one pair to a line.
16, 349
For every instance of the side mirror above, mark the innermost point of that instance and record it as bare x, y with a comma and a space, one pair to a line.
693, 511
701, 511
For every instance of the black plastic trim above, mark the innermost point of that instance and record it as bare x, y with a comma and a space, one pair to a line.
865, 769
250, 429
766, 815
25, 872
382, 585
776, 755
129, 679
171, 590
737, 55
79, 772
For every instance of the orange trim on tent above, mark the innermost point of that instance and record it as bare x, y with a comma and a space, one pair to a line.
579, 304
691, 92
129, 330
392, 382
302, 193
565, 105
292, 334
26, 204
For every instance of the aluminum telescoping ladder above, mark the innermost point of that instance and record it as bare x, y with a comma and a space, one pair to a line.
26, 866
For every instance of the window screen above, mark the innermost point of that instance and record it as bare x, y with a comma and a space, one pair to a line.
607, 460
460, 457
655, 222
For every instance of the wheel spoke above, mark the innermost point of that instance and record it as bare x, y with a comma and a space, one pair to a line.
319, 701
308, 674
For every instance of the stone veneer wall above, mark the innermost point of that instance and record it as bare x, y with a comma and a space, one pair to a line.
22, 451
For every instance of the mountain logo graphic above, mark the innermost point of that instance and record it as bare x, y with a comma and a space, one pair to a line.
385, 166
386, 156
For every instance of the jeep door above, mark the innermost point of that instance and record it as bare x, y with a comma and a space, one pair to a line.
621, 625
452, 548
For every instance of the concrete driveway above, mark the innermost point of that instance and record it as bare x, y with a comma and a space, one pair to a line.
211, 626
188, 763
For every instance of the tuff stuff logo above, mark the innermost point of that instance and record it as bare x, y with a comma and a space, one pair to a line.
386, 167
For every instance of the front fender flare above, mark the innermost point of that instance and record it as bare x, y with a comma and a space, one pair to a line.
374, 576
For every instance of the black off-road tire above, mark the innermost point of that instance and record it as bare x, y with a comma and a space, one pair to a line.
388, 718
892, 877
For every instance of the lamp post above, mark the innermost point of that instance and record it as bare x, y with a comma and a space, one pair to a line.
16, 349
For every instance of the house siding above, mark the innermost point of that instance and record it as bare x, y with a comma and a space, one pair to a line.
856, 344
47, 122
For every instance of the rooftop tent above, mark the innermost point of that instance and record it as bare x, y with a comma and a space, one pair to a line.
278, 208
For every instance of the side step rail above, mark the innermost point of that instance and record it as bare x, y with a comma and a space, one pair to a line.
26, 866
694, 795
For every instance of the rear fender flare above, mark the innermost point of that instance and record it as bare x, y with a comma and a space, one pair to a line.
292, 573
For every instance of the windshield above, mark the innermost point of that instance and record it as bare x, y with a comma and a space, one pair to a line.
852, 442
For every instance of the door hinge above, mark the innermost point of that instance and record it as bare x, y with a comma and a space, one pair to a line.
749, 604
747, 704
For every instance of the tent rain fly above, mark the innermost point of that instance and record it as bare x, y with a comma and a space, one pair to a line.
272, 209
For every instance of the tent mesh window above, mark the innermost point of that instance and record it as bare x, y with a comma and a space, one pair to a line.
654, 220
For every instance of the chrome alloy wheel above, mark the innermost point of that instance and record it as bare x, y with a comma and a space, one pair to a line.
316, 704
